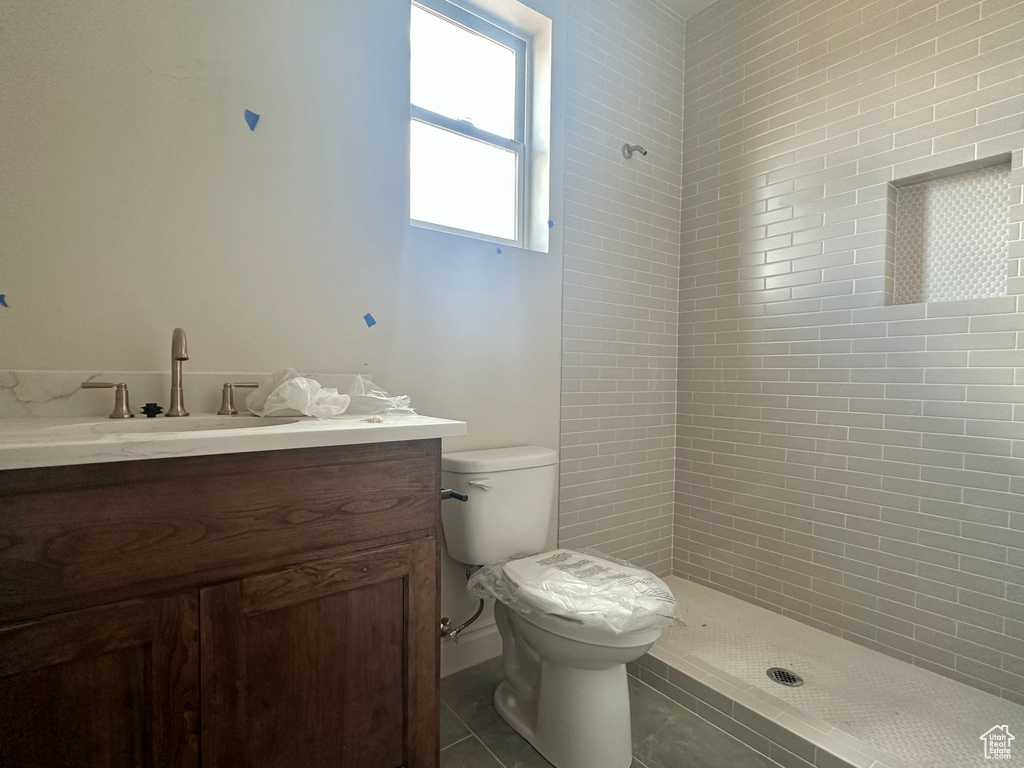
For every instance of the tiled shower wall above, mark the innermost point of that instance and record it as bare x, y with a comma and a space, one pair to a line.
625, 83
857, 466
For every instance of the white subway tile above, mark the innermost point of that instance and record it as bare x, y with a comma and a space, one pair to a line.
930, 389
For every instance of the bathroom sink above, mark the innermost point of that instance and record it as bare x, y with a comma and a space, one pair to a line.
162, 424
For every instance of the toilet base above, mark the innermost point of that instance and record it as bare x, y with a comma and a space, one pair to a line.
517, 712
580, 719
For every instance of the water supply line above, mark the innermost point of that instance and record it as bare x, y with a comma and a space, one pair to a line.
446, 623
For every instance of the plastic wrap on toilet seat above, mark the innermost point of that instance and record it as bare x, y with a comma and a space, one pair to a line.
593, 590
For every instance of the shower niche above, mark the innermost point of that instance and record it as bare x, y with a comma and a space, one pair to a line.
951, 240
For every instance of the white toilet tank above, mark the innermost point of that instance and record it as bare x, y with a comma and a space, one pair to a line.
511, 491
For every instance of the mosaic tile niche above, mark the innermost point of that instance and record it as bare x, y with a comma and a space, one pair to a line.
951, 237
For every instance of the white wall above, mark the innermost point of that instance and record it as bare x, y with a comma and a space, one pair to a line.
134, 198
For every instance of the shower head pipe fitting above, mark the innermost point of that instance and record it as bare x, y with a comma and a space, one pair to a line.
628, 150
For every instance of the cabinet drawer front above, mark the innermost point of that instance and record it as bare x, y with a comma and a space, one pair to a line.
94, 535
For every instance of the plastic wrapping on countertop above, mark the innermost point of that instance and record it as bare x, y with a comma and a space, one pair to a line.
368, 400
287, 393
593, 589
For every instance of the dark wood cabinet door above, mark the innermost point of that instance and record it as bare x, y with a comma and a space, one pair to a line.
332, 664
110, 687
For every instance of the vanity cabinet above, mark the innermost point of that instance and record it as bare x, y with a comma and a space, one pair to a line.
247, 610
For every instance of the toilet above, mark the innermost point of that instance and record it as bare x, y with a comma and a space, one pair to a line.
569, 621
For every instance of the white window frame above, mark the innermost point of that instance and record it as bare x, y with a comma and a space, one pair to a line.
493, 29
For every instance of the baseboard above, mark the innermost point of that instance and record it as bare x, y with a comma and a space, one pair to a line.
475, 645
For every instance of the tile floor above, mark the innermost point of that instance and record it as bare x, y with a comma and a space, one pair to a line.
665, 734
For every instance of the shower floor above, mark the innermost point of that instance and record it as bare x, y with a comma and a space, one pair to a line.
860, 705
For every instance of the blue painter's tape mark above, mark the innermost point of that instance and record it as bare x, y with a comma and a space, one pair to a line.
370, 322
251, 118
499, 250
3, 300
550, 223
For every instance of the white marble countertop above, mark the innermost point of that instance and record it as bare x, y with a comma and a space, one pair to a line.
58, 441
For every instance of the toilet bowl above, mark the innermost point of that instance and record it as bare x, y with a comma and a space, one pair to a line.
565, 688
569, 622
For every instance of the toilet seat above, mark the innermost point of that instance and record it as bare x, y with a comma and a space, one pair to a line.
584, 633
580, 596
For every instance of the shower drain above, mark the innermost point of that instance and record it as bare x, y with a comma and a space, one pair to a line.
785, 677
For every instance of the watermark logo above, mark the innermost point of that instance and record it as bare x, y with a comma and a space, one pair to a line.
997, 742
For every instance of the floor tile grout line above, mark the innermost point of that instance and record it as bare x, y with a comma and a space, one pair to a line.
484, 745
469, 735
456, 715
472, 734
463, 723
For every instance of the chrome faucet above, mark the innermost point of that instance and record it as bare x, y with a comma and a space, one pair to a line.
179, 353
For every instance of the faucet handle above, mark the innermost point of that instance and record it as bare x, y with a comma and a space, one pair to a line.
122, 410
227, 396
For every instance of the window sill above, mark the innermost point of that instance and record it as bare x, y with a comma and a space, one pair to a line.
473, 241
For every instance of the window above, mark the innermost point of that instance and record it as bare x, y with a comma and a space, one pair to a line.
470, 120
